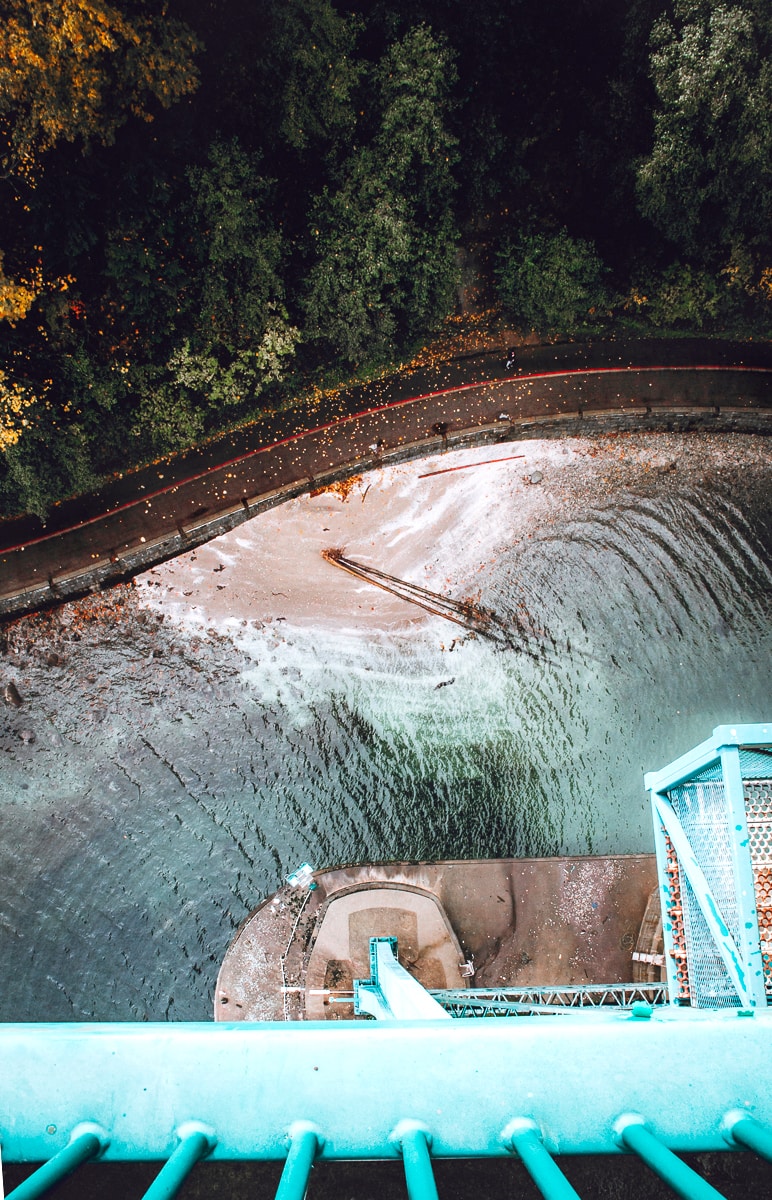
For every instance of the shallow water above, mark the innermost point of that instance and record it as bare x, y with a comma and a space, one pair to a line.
159, 780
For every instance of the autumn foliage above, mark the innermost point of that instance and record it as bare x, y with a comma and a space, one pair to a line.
74, 70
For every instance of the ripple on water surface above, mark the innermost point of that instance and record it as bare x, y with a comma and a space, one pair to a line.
158, 780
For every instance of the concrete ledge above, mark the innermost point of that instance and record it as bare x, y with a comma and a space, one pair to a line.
13, 604
142, 554
526, 423
262, 502
74, 583
209, 521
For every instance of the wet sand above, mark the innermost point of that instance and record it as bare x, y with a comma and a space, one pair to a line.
402, 520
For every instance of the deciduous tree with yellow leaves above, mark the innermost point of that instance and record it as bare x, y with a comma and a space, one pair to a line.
75, 71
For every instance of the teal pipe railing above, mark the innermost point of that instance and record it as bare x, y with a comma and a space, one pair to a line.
634, 1135
525, 1139
304, 1145
177, 1093
81, 1147
194, 1145
415, 1145
749, 1133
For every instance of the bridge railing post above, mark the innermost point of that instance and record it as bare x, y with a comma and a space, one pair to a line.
742, 1129
523, 1136
414, 1143
195, 1142
632, 1133
305, 1142
86, 1142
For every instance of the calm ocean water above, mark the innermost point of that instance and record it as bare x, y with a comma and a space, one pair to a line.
156, 784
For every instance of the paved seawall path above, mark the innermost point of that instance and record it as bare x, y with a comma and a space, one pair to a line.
152, 514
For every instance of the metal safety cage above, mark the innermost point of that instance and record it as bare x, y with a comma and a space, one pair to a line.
712, 813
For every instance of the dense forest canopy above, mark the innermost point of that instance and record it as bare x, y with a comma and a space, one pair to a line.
208, 205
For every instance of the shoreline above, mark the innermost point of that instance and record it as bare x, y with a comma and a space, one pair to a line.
562, 391
437, 530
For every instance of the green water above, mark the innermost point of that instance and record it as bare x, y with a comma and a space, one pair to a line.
157, 784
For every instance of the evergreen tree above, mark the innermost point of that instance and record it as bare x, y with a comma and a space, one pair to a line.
707, 184
384, 240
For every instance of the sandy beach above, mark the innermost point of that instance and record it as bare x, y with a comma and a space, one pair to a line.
436, 522
407, 520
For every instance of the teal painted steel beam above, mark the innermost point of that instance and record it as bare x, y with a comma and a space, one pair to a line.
356, 1081
568, 995
194, 1144
744, 886
685, 1182
85, 1143
707, 752
745, 1131
415, 1146
305, 1142
759, 734
391, 993
525, 1139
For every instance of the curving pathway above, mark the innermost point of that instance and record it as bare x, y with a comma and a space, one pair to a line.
152, 514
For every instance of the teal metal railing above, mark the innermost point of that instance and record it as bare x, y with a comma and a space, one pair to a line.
525, 1139
305, 1143
547, 1001
634, 1135
84, 1144
656, 1084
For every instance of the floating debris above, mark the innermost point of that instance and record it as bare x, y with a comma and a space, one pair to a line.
468, 466
11, 695
469, 615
